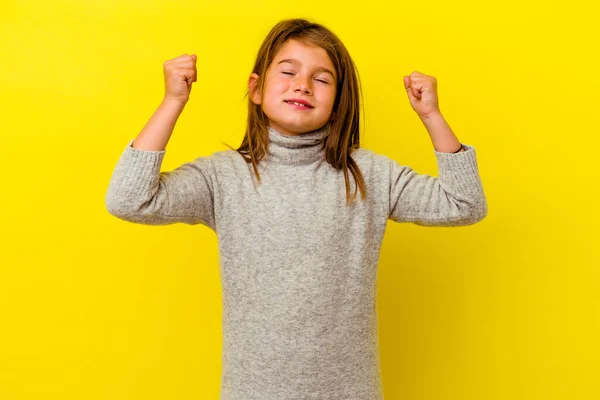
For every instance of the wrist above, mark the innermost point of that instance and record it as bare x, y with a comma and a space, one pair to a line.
432, 117
172, 103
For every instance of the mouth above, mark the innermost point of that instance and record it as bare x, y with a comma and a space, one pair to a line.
299, 104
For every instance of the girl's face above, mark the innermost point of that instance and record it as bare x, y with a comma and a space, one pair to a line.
303, 73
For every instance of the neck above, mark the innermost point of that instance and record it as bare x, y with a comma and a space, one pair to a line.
302, 149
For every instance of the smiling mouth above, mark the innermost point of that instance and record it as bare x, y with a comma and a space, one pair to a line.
298, 105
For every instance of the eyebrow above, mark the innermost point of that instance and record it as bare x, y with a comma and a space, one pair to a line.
294, 61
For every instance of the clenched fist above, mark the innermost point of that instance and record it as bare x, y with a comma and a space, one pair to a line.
180, 73
422, 93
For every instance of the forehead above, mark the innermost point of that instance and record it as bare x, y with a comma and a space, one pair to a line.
309, 55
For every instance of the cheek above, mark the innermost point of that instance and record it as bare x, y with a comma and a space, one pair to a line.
329, 97
275, 92
278, 86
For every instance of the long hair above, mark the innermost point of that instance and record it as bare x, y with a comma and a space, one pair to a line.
343, 135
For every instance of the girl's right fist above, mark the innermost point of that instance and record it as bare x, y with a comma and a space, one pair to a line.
180, 73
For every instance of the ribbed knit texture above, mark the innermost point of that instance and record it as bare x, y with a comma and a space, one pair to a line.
298, 268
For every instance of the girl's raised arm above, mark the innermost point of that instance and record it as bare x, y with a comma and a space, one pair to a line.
138, 191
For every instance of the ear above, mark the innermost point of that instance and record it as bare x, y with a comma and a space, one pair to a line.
332, 116
254, 92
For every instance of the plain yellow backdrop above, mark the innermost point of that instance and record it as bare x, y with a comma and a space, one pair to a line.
93, 307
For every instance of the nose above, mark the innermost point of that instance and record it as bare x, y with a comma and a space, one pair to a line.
302, 85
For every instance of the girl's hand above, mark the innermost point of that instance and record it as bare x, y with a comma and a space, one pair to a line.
422, 93
180, 73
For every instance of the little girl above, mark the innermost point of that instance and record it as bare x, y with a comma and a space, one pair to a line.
298, 250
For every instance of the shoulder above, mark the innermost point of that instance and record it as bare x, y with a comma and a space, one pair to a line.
224, 162
225, 155
219, 158
375, 167
368, 159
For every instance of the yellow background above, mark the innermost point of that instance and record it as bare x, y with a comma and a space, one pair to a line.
93, 307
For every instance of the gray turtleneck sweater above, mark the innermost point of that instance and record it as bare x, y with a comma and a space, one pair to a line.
298, 267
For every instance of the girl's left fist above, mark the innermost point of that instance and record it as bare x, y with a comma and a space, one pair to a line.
422, 93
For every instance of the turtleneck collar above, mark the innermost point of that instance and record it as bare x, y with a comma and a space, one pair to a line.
301, 149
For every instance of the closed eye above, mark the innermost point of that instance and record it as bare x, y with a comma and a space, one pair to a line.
290, 73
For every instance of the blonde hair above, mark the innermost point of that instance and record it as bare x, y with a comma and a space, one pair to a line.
344, 134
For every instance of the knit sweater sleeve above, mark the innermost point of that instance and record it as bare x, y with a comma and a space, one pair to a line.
138, 192
455, 198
